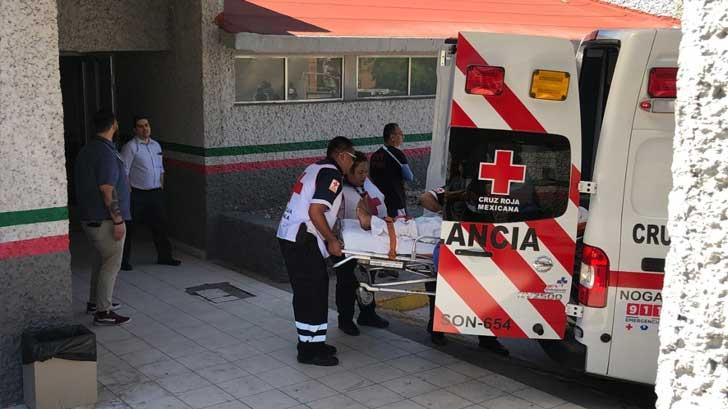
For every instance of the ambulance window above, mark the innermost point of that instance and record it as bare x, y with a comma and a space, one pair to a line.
598, 60
500, 176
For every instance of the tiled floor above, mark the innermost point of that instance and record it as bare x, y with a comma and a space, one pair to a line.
182, 352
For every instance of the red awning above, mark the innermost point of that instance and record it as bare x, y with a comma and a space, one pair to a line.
430, 18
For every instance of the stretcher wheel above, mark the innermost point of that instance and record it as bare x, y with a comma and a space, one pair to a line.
365, 297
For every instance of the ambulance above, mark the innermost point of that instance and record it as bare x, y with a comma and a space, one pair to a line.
556, 156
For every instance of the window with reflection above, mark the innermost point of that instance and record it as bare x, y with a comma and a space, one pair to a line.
500, 176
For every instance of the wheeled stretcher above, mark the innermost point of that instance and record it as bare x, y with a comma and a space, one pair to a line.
374, 253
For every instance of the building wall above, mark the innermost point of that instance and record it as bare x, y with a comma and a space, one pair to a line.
113, 25
251, 154
692, 370
167, 86
35, 277
220, 156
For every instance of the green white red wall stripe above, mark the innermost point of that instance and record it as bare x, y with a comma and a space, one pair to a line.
33, 232
236, 159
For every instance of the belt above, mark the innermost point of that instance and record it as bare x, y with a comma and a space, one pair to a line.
145, 190
93, 224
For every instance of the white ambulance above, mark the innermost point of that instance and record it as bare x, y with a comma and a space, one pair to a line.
534, 135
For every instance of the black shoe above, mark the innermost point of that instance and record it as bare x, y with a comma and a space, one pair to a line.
328, 349
372, 320
492, 345
318, 359
169, 262
91, 307
438, 338
126, 267
348, 327
110, 318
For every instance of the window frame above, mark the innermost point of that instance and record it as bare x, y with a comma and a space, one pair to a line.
409, 77
285, 80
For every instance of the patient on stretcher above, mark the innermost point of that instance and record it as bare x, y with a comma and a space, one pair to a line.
388, 237
403, 226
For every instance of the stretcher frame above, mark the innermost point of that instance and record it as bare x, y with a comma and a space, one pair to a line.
372, 262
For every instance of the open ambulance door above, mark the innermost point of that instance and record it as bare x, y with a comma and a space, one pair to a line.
510, 216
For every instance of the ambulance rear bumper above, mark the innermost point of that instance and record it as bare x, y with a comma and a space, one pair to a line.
568, 351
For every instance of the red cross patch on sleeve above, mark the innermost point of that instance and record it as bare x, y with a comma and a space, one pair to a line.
334, 186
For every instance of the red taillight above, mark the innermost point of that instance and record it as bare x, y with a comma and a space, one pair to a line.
593, 277
484, 80
662, 82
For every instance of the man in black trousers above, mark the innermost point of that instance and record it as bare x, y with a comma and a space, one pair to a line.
307, 240
143, 160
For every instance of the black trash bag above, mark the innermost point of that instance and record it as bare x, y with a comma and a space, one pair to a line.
75, 343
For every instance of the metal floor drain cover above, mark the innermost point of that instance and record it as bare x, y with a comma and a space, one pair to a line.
219, 292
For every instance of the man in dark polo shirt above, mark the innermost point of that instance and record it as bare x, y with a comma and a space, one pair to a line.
102, 191
388, 169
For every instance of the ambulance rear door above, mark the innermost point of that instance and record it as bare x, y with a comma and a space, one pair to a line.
510, 215
644, 236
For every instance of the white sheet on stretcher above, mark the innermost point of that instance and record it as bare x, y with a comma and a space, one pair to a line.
357, 239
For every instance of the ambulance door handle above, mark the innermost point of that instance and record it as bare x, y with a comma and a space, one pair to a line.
473, 253
655, 265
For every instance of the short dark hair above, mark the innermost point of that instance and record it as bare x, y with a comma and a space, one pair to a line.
338, 144
138, 117
389, 130
359, 157
103, 120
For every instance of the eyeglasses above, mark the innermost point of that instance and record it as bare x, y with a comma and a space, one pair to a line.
350, 154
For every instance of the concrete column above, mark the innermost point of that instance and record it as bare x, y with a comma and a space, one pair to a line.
693, 362
35, 276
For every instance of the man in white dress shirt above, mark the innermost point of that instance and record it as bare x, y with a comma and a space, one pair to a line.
142, 156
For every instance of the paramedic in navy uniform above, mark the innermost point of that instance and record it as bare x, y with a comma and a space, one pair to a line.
358, 191
306, 239
389, 170
143, 159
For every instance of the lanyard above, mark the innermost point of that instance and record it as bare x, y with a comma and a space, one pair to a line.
361, 191
392, 155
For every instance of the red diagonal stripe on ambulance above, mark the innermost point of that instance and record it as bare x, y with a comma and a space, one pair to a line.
574, 188
460, 118
508, 106
474, 295
558, 241
442, 325
526, 280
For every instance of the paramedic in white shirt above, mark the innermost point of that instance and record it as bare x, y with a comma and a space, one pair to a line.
306, 239
358, 191
142, 157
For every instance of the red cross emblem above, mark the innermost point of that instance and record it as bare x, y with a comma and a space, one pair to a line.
502, 172
629, 327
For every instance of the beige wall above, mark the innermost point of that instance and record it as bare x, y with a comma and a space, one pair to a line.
113, 25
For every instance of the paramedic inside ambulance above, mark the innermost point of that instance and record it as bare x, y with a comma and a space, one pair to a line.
389, 170
436, 200
360, 198
306, 239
